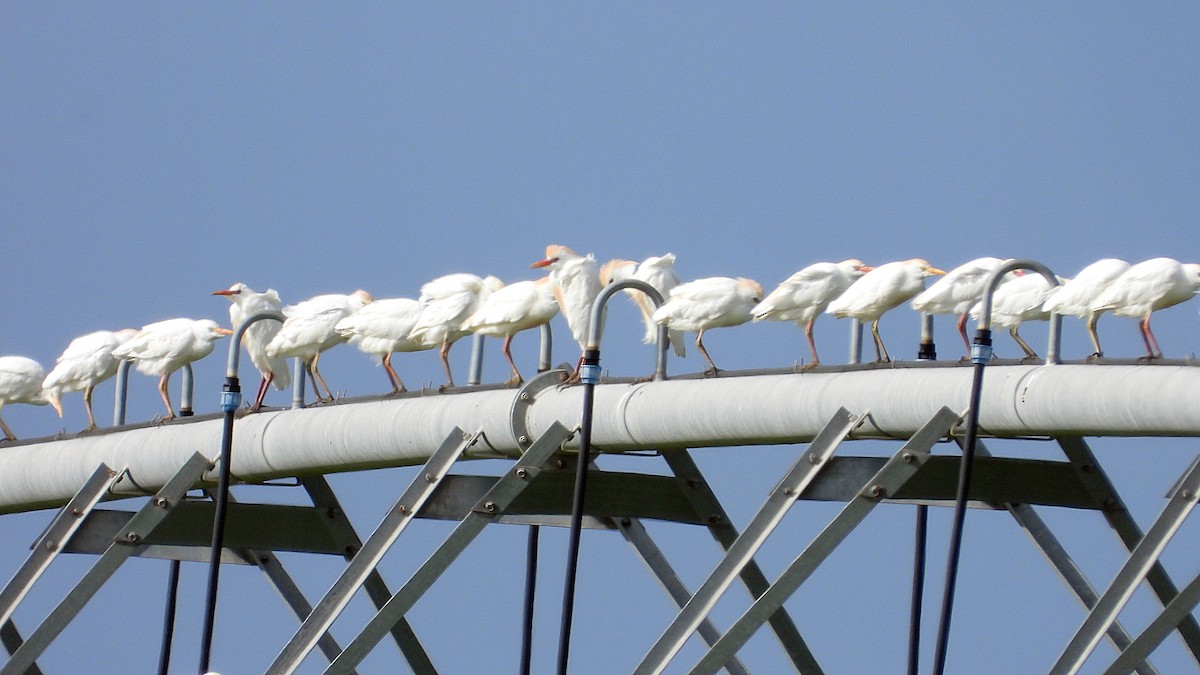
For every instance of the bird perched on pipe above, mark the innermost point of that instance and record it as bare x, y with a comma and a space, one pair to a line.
1077, 295
575, 280
713, 302
446, 302
21, 382
309, 330
86, 362
384, 327
878, 291
1146, 288
163, 347
803, 296
1017, 301
510, 310
659, 272
245, 302
958, 291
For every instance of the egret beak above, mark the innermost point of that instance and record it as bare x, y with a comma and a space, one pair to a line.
864, 268
57, 405
543, 263
934, 271
223, 331
227, 291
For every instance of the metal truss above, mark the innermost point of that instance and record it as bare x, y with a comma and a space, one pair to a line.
535, 490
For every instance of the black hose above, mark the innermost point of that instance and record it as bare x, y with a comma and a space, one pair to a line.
231, 398
982, 353
590, 371
164, 652
531, 562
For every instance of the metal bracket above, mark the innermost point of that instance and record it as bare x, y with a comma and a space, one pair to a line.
518, 415
151, 514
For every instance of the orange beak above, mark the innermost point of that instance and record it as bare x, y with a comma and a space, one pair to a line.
543, 263
223, 331
226, 292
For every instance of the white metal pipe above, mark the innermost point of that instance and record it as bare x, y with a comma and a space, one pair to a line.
767, 408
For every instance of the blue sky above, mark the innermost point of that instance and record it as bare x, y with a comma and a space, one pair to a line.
151, 154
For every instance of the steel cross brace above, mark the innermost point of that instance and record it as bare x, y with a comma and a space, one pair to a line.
1143, 557
139, 527
1096, 482
368, 557
497, 499
635, 533
323, 497
1063, 564
705, 501
802, 473
895, 473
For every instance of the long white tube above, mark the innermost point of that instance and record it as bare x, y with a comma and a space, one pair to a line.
1018, 400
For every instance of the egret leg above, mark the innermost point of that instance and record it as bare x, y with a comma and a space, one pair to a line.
264, 383
881, 353
445, 352
812, 345
962, 330
87, 405
316, 377
1029, 353
516, 374
712, 367
1091, 327
1148, 337
8, 434
166, 397
397, 384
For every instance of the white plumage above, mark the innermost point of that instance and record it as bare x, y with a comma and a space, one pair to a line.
878, 291
713, 302
802, 297
309, 330
659, 272
21, 382
1076, 296
512, 309
576, 283
245, 302
382, 328
1146, 288
1017, 301
86, 362
958, 291
446, 302
163, 347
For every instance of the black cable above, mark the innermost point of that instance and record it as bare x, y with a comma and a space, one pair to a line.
531, 562
230, 400
981, 354
918, 590
590, 374
164, 652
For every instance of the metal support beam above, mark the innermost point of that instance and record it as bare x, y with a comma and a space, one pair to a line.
376, 588
1063, 564
1158, 630
1097, 483
154, 512
12, 642
367, 558
898, 470
1141, 560
54, 539
706, 504
494, 502
742, 551
635, 533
